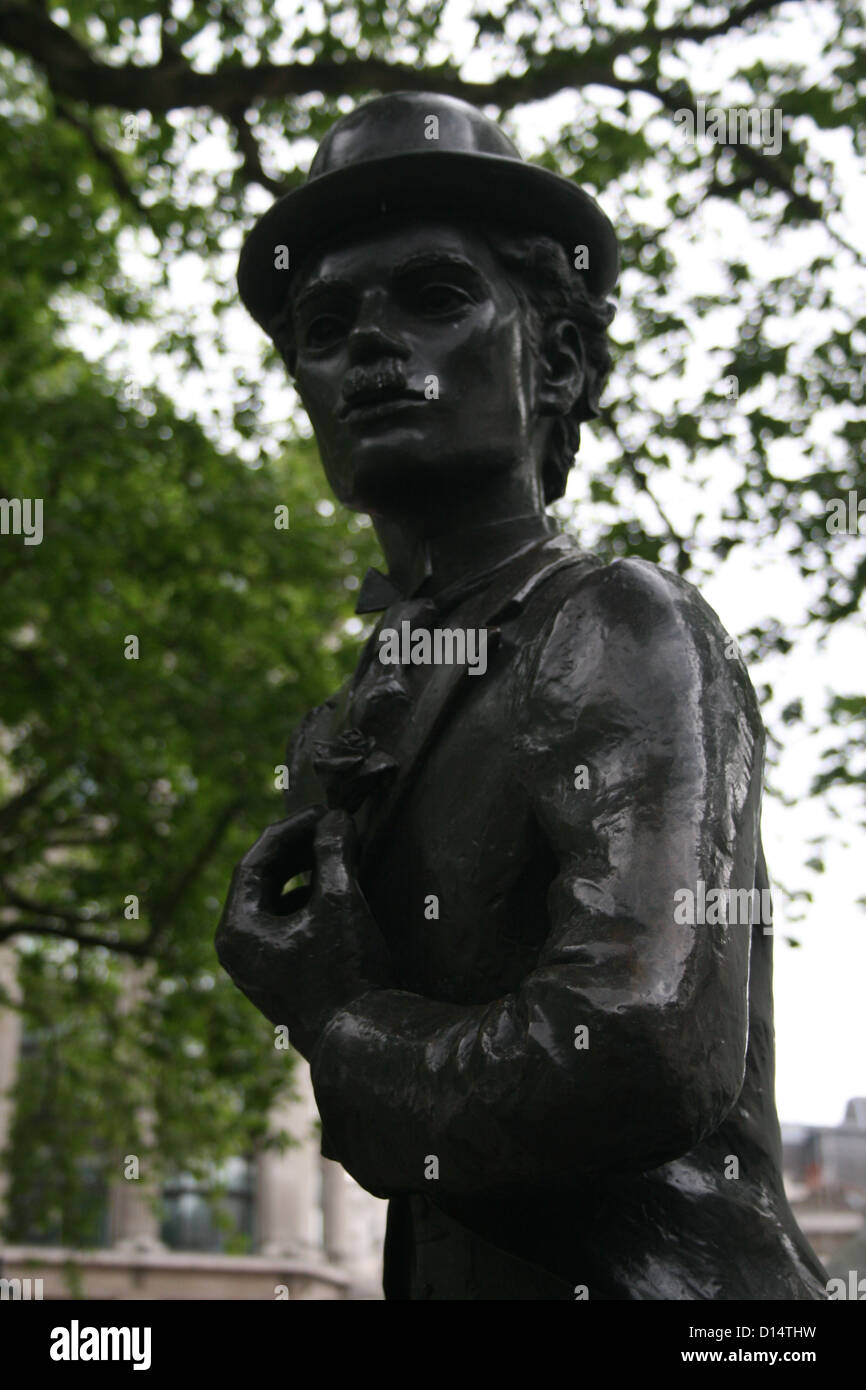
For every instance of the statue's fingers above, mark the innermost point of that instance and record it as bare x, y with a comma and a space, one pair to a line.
335, 855
278, 841
253, 939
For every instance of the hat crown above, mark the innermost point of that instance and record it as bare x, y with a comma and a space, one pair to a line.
403, 123
411, 154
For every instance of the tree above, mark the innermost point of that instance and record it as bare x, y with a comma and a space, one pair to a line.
147, 777
181, 612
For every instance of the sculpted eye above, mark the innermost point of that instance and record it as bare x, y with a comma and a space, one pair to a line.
440, 298
325, 330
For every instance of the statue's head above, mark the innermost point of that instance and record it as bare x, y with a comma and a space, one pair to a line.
440, 303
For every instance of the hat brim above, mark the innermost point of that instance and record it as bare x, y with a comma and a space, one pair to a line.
479, 186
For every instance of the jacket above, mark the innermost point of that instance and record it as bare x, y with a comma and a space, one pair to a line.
568, 1092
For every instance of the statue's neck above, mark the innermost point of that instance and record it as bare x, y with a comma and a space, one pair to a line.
437, 561
448, 534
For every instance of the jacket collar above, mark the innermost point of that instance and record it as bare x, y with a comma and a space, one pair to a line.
498, 542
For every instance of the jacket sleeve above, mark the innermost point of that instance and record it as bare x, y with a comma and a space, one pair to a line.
640, 748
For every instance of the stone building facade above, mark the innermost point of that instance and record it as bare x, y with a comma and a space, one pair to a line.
825, 1178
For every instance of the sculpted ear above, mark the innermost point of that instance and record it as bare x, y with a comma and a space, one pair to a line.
562, 372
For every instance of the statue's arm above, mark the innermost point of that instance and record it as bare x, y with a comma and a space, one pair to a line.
632, 683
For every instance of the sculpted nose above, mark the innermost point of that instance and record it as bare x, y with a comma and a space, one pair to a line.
373, 336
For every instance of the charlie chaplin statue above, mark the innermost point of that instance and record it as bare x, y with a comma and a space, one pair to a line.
562, 1081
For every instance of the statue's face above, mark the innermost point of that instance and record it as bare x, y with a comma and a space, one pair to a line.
414, 366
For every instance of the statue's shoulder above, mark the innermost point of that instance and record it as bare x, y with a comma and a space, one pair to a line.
637, 598
634, 623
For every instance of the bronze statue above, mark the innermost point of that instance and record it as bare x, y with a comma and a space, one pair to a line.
518, 1032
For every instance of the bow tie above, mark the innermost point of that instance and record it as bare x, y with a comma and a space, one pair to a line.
377, 592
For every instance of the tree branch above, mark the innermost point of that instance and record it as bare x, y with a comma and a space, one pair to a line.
165, 86
139, 949
248, 147
62, 914
695, 33
161, 912
641, 482
105, 157
53, 841
164, 909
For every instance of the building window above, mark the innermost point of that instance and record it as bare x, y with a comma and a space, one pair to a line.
212, 1214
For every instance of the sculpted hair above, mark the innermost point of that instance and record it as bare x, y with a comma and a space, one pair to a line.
548, 290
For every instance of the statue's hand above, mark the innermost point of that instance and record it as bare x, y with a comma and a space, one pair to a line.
301, 956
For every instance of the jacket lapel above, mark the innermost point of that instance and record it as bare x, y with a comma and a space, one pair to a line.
438, 699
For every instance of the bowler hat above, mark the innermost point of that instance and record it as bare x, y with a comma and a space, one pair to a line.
417, 151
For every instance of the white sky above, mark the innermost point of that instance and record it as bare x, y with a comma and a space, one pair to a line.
821, 1059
